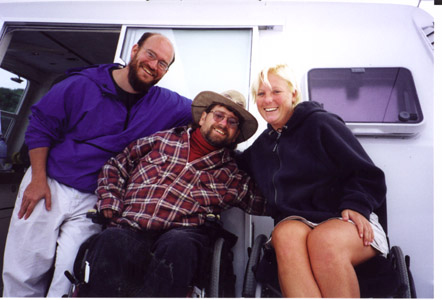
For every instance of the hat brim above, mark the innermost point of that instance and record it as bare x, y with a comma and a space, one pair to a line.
249, 125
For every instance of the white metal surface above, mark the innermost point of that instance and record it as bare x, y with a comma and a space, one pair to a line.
307, 35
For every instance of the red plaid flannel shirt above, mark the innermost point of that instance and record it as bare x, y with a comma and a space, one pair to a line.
152, 185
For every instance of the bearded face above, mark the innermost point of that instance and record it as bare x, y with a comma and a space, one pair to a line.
137, 79
218, 133
149, 62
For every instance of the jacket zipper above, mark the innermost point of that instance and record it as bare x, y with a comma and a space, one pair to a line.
115, 97
276, 150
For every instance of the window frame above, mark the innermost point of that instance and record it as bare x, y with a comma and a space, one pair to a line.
376, 128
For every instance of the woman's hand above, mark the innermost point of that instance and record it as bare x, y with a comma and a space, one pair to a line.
363, 226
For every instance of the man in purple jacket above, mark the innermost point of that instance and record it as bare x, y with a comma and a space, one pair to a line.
82, 122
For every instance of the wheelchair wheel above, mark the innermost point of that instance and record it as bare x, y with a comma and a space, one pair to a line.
249, 287
222, 279
410, 277
402, 268
214, 285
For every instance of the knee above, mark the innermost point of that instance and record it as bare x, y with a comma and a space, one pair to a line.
111, 237
110, 243
176, 243
324, 248
280, 235
288, 235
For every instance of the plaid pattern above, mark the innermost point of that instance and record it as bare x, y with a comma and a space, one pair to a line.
153, 187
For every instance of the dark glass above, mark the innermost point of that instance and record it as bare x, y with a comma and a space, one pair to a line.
366, 95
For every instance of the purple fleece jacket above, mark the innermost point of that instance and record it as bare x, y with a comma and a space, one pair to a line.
82, 122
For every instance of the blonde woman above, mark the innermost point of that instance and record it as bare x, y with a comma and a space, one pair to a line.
321, 189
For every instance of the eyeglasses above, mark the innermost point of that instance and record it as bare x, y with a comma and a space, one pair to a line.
162, 65
219, 116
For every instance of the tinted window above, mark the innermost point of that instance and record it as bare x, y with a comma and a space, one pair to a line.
367, 95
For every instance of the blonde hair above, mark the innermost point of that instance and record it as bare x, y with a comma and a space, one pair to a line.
281, 70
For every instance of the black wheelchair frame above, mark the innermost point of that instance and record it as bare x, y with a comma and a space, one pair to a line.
216, 279
379, 277
221, 281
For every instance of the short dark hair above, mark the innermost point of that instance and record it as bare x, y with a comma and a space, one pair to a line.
148, 35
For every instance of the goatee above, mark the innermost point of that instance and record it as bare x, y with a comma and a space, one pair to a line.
214, 141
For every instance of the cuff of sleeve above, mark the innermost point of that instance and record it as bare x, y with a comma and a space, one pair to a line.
365, 211
110, 203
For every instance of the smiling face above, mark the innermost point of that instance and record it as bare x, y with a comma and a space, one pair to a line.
275, 102
218, 134
144, 71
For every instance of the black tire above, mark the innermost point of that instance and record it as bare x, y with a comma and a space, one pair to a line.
216, 269
249, 287
410, 277
401, 267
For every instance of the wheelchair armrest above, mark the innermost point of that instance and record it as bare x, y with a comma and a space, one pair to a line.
214, 223
96, 217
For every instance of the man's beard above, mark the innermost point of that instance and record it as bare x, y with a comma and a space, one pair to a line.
135, 82
216, 142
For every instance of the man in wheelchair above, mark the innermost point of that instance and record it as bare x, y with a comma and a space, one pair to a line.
156, 196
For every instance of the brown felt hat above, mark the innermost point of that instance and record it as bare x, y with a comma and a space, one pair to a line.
232, 99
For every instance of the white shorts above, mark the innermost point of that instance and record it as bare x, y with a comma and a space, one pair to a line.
380, 242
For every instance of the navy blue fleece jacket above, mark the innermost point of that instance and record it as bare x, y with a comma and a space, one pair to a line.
314, 168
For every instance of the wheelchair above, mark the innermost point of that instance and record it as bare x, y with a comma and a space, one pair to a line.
378, 277
215, 279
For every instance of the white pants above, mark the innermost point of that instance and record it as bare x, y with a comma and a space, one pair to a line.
33, 244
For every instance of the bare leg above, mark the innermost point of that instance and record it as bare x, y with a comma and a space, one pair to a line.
335, 248
296, 279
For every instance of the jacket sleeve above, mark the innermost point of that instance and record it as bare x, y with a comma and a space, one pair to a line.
363, 185
250, 199
174, 105
115, 175
184, 112
55, 113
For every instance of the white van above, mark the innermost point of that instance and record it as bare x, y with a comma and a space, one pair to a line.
220, 44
